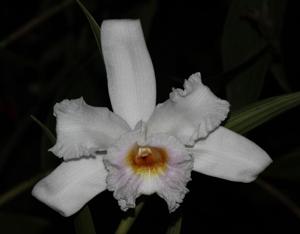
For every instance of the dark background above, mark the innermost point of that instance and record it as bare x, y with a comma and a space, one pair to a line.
56, 57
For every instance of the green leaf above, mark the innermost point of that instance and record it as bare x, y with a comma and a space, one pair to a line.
244, 36
47, 131
286, 167
176, 227
83, 222
19, 224
256, 114
239, 40
126, 223
280, 196
19, 189
94, 25
246, 87
278, 73
47, 163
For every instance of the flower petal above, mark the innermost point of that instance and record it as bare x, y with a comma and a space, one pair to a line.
130, 74
168, 180
82, 129
171, 186
72, 184
189, 114
228, 155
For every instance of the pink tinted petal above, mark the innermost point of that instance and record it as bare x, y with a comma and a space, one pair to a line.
189, 114
228, 155
82, 129
71, 185
171, 186
169, 183
130, 74
120, 178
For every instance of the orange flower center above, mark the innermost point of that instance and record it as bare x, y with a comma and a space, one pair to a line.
146, 160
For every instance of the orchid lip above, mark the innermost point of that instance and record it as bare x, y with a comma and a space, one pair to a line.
147, 160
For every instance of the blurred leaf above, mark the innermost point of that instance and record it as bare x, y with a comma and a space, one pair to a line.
19, 189
47, 163
278, 73
94, 25
280, 196
47, 160
243, 37
247, 86
126, 223
31, 24
286, 167
83, 222
239, 40
20, 224
48, 133
275, 10
256, 114
176, 227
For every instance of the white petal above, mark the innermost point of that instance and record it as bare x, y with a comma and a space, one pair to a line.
228, 155
82, 129
171, 186
130, 74
189, 114
72, 184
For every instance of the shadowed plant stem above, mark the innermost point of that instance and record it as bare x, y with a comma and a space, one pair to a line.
218, 81
285, 200
19, 189
48, 92
83, 222
30, 25
175, 228
127, 223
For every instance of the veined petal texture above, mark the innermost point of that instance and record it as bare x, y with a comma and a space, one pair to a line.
130, 73
82, 129
166, 171
228, 155
189, 114
72, 184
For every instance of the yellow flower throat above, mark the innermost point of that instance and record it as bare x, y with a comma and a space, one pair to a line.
146, 160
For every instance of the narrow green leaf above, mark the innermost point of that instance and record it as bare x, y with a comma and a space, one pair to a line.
19, 189
239, 40
94, 25
246, 87
280, 196
33, 23
13, 223
278, 73
250, 26
48, 133
256, 114
126, 223
176, 227
83, 222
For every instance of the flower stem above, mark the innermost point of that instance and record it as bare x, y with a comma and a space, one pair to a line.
30, 25
175, 228
83, 222
126, 223
291, 205
19, 189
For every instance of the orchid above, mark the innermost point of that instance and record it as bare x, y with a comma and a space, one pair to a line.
141, 148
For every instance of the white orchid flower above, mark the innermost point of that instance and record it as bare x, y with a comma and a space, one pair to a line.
139, 148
